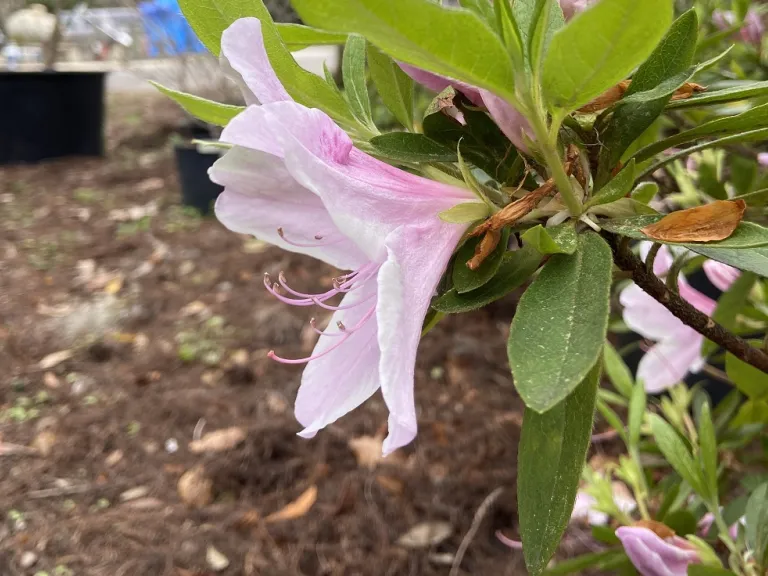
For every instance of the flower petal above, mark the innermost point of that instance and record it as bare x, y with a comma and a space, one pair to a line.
653, 556
669, 361
438, 83
340, 381
721, 275
260, 197
242, 48
417, 258
508, 119
644, 315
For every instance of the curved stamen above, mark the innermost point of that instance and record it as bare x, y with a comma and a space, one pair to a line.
318, 237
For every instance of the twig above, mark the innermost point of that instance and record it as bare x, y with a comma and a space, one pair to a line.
62, 491
8, 449
476, 521
681, 309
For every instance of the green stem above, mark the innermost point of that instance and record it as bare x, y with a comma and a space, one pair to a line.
641, 491
722, 528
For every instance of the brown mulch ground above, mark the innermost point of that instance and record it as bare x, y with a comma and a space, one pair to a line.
168, 325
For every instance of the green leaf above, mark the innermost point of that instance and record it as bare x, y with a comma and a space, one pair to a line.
560, 239
551, 454
355, 83
298, 36
637, 403
669, 66
645, 191
610, 416
754, 260
681, 521
202, 109
602, 561
757, 523
482, 8
742, 92
708, 454
728, 307
209, 19
752, 119
702, 570
617, 371
709, 182
464, 213
423, 34
600, 47
750, 380
526, 15
407, 147
516, 267
395, 87
746, 235
466, 280
558, 331
751, 412
618, 187
676, 453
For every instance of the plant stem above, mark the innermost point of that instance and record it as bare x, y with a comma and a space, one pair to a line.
680, 308
641, 491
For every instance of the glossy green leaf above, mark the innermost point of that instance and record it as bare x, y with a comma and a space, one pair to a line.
757, 524
355, 82
728, 307
407, 147
526, 14
209, 19
515, 269
669, 66
424, 34
755, 259
600, 47
551, 454
676, 453
603, 561
637, 403
616, 188
746, 235
395, 87
617, 371
298, 36
645, 192
752, 119
708, 451
733, 94
561, 239
465, 213
202, 109
466, 280
558, 331
750, 380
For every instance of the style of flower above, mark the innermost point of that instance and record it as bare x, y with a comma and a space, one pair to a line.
678, 347
294, 178
654, 556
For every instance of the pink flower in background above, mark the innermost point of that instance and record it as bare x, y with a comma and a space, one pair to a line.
573, 7
751, 31
678, 347
654, 556
584, 506
294, 179
762, 159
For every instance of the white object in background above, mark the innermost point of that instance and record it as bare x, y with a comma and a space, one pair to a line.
312, 59
32, 25
12, 54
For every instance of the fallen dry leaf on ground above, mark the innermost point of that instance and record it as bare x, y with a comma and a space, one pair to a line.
55, 359
715, 221
218, 440
195, 488
297, 508
425, 534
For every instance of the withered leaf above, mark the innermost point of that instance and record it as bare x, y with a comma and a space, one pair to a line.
661, 530
297, 508
709, 223
218, 440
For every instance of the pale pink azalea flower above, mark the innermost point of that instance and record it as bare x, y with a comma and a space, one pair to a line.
678, 347
762, 159
573, 7
294, 178
752, 30
654, 556
705, 525
584, 505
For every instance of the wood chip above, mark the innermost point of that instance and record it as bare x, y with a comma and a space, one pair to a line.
55, 359
425, 534
195, 488
218, 440
297, 508
708, 223
44, 442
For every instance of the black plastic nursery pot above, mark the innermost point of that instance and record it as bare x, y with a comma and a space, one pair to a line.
50, 114
197, 190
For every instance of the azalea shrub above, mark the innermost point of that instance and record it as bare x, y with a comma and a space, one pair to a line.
605, 159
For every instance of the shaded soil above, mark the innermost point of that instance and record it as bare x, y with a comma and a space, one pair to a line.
168, 325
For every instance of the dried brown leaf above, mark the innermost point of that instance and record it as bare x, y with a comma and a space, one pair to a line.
297, 508
195, 488
484, 249
661, 530
708, 223
218, 440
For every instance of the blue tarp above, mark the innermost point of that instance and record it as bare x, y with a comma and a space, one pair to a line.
167, 30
